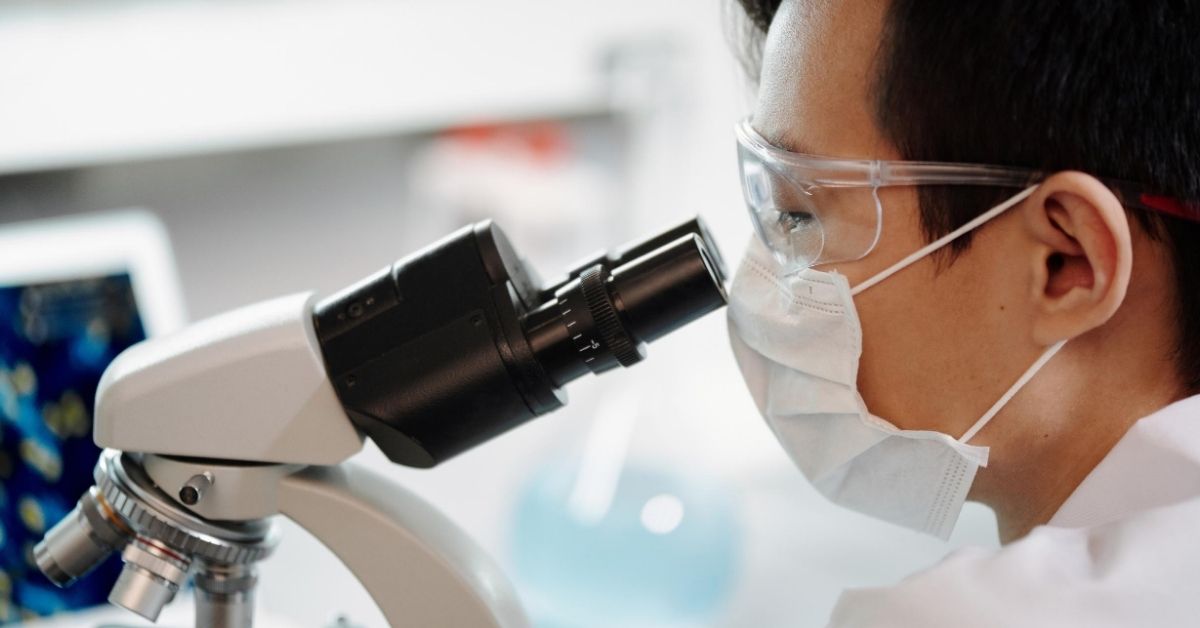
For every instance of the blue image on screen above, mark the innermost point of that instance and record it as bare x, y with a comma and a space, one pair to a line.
55, 341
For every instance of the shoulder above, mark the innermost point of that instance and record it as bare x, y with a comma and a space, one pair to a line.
1156, 463
1136, 571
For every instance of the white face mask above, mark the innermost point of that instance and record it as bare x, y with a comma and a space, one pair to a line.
797, 339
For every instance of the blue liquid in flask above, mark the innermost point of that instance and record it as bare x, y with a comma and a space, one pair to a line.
658, 549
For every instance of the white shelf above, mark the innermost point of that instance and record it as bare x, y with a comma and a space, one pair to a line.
93, 82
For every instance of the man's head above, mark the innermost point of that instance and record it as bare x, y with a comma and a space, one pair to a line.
1083, 90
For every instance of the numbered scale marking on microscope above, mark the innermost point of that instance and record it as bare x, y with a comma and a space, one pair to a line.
577, 317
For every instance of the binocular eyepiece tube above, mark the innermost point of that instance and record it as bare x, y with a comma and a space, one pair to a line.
459, 342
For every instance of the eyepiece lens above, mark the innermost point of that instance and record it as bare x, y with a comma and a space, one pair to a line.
602, 317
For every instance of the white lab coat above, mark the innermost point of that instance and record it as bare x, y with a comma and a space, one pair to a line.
1124, 550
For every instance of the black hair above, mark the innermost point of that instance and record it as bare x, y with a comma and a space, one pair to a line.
1107, 87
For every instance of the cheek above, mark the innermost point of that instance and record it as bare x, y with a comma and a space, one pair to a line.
911, 337
933, 342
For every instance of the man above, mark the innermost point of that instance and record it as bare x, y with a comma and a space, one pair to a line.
1018, 324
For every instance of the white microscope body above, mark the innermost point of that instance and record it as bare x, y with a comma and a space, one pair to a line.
235, 417
212, 431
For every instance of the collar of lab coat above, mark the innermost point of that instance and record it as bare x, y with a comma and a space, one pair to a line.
1156, 463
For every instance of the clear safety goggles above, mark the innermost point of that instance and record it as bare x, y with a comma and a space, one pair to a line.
812, 210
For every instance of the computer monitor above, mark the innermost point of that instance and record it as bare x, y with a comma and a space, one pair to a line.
74, 292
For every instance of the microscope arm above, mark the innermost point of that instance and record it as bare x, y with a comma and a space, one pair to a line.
418, 566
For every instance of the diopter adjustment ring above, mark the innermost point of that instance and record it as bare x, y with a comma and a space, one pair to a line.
604, 313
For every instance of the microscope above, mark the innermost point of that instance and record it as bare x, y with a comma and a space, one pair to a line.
210, 432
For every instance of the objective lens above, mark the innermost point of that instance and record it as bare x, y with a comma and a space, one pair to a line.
149, 580
79, 542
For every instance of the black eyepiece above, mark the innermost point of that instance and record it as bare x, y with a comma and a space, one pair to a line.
604, 316
456, 344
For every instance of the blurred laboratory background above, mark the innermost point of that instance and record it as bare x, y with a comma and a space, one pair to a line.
290, 145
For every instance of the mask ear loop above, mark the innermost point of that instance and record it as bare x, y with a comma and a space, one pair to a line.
924, 251
1012, 391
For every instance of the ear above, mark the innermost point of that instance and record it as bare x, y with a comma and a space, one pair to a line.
1082, 255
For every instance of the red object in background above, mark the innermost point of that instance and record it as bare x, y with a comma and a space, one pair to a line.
544, 141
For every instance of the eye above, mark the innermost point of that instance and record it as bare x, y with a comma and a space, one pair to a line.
792, 221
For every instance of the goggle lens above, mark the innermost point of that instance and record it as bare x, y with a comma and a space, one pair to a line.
804, 225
